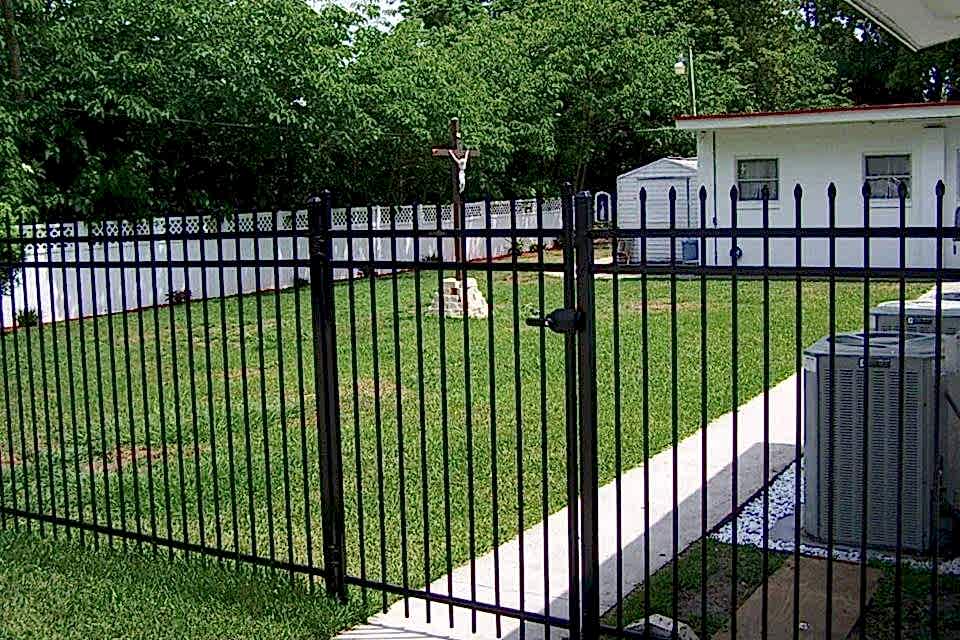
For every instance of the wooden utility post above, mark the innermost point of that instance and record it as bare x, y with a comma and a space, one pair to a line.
460, 156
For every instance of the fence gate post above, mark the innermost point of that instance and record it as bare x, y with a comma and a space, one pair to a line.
587, 392
326, 387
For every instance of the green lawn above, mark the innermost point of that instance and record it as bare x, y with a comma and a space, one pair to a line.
53, 589
249, 446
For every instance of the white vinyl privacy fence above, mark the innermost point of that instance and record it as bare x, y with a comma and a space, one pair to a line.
67, 273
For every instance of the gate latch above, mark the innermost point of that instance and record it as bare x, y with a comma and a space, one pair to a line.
559, 321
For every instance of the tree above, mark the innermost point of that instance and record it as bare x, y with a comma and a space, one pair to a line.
137, 107
875, 66
436, 14
13, 45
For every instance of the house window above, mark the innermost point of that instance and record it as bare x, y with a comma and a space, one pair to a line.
885, 173
754, 175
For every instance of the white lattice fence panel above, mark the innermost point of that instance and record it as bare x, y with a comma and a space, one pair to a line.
59, 292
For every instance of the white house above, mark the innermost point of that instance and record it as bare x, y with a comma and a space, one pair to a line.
917, 144
657, 178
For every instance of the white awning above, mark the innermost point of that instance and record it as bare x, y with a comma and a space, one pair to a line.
916, 23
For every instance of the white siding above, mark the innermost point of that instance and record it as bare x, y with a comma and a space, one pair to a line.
657, 178
816, 155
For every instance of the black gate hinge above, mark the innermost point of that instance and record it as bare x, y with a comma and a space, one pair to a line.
559, 321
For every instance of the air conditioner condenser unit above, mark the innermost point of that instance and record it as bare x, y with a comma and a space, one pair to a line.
920, 316
851, 381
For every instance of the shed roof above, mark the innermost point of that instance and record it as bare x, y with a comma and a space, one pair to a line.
679, 166
835, 115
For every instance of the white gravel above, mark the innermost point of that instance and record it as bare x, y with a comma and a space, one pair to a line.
750, 526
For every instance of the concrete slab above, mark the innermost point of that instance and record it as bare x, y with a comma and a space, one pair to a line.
545, 587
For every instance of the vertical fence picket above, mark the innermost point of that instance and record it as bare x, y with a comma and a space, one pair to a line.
58, 391
327, 391
587, 410
34, 455
542, 361
494, 436
704, 443
735, 408
398, 396
645, 392
194, 423
617, 410
901, 408
517, 409
674, 417
227, 402
374, 247
355, 399
258, 295
765, 559
831, 406
45, 389
572, 435
8, 456
937, 489
422, 412
144, 389
798, 400
84, 376
865, 451
301, 407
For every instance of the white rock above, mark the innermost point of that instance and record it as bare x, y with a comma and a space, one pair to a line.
661, 628
453, 299
782, 500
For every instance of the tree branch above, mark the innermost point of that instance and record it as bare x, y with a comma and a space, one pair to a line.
13, 46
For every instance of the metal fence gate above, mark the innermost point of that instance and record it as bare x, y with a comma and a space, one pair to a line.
595, 441
506, 414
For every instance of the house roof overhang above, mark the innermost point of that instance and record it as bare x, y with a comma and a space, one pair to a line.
916, 23
838, 115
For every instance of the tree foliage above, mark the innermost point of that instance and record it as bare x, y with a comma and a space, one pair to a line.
137, 106
875, 66
126, 108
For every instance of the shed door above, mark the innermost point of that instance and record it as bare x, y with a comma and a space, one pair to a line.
658, 215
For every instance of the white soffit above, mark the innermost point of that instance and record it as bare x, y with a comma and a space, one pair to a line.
936, 111
917, 23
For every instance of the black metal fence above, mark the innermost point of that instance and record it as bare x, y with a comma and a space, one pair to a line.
605, 437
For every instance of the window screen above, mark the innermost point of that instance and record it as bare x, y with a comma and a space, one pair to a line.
754, 175
886, 173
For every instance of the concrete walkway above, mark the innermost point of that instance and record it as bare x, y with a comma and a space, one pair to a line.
393, 625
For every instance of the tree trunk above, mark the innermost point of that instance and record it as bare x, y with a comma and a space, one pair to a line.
13, 46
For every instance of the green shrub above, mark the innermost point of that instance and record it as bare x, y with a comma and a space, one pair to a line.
27, 318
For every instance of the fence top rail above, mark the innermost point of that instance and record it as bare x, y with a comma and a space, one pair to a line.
199, 225
598, 233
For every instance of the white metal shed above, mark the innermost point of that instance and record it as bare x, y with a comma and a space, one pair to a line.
657, 178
